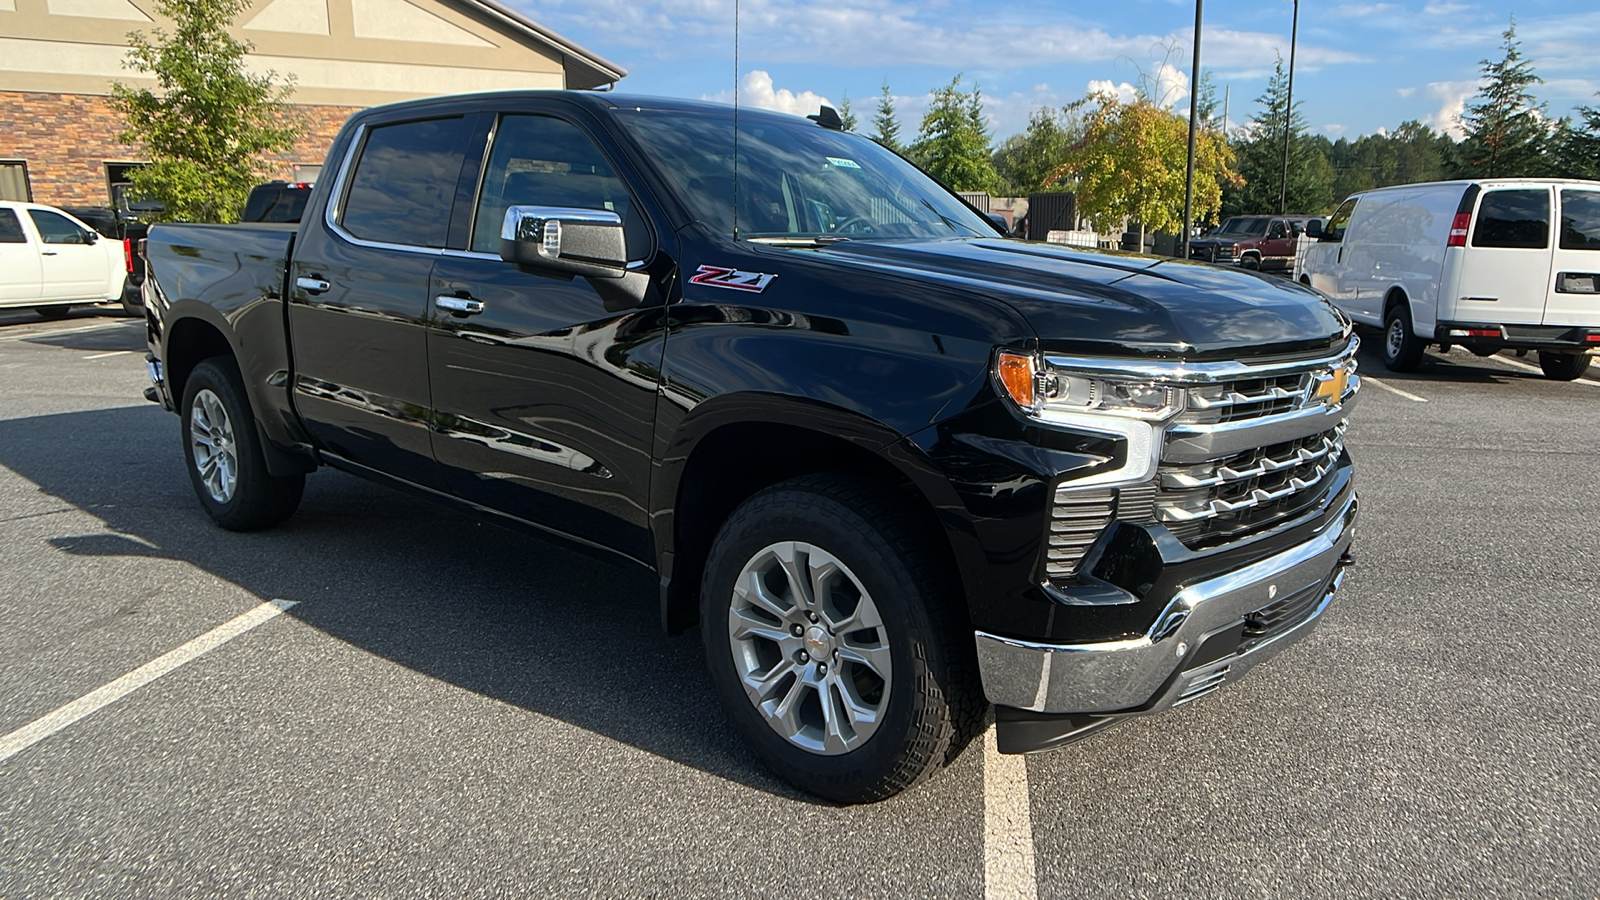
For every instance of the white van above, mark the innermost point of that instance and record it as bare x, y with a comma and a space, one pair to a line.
1469, 263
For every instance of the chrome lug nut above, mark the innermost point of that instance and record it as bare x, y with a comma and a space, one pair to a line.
822, 668
812, 616
802, 657
796, 630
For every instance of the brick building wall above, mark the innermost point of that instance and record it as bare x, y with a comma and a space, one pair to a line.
67, 139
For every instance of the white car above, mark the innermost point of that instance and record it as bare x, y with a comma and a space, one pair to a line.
1490, 265
51, 261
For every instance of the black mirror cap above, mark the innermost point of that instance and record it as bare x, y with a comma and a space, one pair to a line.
566, 240
999, 222
1314, 228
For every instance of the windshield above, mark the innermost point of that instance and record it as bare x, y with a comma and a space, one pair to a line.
1244, 226
796, 181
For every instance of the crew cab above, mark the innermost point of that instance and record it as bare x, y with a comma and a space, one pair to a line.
895, 466
1254, 242
51, 262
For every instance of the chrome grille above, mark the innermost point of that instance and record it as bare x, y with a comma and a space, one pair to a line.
1245, 398
1245, 491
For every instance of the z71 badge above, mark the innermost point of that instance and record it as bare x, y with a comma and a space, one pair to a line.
717, 276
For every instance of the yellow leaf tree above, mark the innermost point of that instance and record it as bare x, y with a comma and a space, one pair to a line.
1130, 164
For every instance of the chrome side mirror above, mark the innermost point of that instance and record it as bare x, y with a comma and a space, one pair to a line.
587, 242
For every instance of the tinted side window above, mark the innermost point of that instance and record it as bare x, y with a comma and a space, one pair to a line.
1580, 220
543, 161
405, 183
11, 228
54, 228
1514, 219
1333, 232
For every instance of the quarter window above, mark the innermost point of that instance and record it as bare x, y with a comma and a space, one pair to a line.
55, 228
11, 228
405, 183
1333, 232
1580, 220
1518, 220
543, 161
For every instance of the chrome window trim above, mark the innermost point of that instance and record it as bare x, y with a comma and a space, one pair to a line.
341, 186
1195, 372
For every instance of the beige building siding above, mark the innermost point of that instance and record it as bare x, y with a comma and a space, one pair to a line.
58, 59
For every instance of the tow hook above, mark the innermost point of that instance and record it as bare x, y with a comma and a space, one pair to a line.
1347, 559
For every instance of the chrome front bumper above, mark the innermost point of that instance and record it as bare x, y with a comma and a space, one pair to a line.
1166, 666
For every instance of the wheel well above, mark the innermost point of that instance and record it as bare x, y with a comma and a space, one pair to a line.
1394, 298
190, 342
735, 462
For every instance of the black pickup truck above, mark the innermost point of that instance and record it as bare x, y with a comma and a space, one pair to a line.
896, 466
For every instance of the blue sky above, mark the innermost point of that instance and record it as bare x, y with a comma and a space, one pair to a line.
1361, 66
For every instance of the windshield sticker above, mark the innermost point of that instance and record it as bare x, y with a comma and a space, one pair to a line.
842, 163
717, 276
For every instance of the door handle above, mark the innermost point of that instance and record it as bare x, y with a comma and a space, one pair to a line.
1341, 256
312, 285
458, 306
47, 253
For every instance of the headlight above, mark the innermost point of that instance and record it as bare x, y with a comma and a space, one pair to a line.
1041, 389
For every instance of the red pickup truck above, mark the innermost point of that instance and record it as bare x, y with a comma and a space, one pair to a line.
1254, 242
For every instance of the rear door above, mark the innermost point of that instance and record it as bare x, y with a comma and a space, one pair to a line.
1574, 297
1505, 271
359, 301
19, 261
71, 266
544, 399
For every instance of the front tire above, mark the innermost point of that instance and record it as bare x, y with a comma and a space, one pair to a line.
1402, 350
834, 640
223, 451
1563, 366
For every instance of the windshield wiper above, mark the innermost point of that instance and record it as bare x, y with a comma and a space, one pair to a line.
950, 223
820, 240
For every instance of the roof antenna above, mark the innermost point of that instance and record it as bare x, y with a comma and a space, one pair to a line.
735, 120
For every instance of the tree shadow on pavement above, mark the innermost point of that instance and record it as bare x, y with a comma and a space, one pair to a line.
128, 335
508, 616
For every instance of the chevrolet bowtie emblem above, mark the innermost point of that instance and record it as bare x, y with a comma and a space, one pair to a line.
1330, 387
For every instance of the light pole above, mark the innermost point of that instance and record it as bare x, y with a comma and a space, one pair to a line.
1288, 115
1194, 116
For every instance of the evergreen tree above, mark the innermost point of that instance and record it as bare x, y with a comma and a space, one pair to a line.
210, 122
846, 114
1506, 130
953, 143
1577, 146
1259, 148
886, 126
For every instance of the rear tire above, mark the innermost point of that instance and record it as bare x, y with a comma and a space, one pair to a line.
52, 312
223, 452
1402, 350
831, 565
1253, 263
1563, 366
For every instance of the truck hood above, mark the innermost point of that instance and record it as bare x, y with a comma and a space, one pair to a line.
1108, 303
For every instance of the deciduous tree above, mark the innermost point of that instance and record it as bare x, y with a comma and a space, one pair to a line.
209, 123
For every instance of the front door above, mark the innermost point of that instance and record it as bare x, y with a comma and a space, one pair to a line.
359, 297
1325, 260
545, 401
71, 266
1575, 276
1505, 271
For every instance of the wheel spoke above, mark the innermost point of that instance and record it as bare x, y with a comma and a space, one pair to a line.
748, 627
787, 710
795, 566
874, 658
752, 589
860, 711
833, 725
760, 685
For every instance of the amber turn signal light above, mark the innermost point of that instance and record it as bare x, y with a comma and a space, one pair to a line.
1016, 371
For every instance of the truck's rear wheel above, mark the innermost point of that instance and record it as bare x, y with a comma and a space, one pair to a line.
834, 644
1402, 350
1563, 366
223, 451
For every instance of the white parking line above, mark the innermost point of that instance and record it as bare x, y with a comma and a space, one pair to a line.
1368, 379
1008, 868
53, 332
95, 700
104, 355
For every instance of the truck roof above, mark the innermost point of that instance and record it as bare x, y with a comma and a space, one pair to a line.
593, 99
1482, 182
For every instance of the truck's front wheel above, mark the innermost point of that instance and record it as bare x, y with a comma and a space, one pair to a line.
223, 450
1402, 350
833, 642
1563, 366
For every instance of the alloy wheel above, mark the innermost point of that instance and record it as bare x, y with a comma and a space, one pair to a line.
215, 453
810, 648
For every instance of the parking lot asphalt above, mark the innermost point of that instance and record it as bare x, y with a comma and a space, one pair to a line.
450, 709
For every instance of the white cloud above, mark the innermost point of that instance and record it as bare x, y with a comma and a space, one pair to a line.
1406, 91
1171, 85
1452, 97
1333, 130
756, 89
1444, 9
1124, 92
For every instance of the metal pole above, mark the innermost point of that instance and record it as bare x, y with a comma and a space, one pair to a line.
1194, 117
1288, 116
